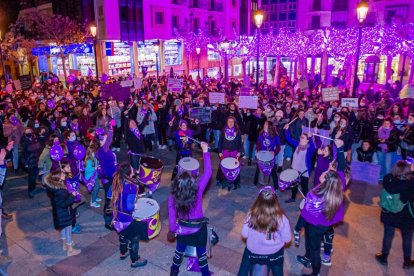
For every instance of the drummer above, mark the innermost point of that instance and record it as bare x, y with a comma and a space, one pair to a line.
124, 195
268, 140
186, 218
301, 161
134, 140
230, 145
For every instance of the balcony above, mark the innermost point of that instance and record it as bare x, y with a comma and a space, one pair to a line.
215, 6
198, 4
179, 2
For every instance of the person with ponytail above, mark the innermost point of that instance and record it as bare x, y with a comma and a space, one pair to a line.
124, 195
186, 219
266, 230
323, 209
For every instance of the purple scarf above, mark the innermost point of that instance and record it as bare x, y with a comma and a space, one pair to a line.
136, 132
74, 127
142, 113
384, 133
230, 133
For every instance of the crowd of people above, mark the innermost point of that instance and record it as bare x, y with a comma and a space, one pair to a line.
380, 131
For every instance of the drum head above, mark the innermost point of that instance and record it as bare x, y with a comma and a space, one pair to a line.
189, 164
289, 175
150, 162
264, 156
145, 208
230, 163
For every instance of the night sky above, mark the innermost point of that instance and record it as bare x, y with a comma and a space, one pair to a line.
9, 9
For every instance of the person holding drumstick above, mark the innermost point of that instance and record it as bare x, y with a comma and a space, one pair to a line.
124, 194
186, 219
302, 160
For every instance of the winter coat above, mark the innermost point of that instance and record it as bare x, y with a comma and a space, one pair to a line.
30, 151
61, 200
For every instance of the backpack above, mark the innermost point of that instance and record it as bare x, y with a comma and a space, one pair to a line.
392, 203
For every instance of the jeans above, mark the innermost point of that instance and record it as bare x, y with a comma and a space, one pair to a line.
246, 145
304, 183
313, 237
162, 135
2, 178
31, 181
129, 239
107, 208
15, 156
385, 160
252, 150
288, 151
280, 156
245, 266
148, 139
216, 133
66, 234
407, 237
134, 161
201, 256
95, 191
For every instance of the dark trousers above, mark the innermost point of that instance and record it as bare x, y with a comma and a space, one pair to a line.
407, 237
246, 268
273, 174
129, 239
107, 206
31, 181
304, 183
134, 160
162, 135
148, 142
313, 236
201, 256
327, 236
116, 143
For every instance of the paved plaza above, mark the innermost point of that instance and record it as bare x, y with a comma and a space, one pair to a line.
30, 239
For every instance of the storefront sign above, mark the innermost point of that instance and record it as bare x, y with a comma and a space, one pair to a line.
175, 85
211, 54
215, 97
202, 114
126, 83
330, 94
349, 102
172, 52
249, 102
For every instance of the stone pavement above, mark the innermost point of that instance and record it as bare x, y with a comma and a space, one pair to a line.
30, 239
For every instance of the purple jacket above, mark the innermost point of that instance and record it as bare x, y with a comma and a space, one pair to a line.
126, 205
197, 211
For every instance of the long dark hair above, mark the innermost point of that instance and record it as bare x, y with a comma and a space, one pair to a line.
184, 190
270, 129
331, 191
123, 173
236, 126
401, 170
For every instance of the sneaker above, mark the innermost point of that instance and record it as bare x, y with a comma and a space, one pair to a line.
118, 149
297, 237
288, 159
381, 259
244, 157
76, 229
303, 260
326, 260
124, 256
290, 200
95, 205
113, 149
98, 199
140, 262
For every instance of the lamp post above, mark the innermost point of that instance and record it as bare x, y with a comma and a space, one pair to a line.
2, 61
198, 57
258, 20
225, 45
93, 33
156, 48
362, 11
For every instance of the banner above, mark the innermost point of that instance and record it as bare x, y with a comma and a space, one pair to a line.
126, 83
330, 94
137, 83
322, 132
215, 97
349, 102
25, 82
303, 84
74, 72
203, 114
116, 91
17, 85
249, 102
365, 172
175, 85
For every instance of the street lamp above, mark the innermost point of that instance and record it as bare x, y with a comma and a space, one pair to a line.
156, 48
198, 56
258, 20
362, 11
93, 33
2, 61
225, 45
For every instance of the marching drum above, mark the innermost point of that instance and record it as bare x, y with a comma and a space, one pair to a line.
230, 167
147, 210
265, 161
189, 164
149, 172
288, 178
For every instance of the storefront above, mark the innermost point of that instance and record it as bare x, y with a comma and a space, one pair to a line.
173, 54
147, 55
120, 60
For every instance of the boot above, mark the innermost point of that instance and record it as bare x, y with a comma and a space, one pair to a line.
64, 247
72, 252
382, 258
408, 263
174, 272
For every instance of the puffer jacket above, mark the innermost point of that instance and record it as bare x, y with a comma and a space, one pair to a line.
31, 150
61, 200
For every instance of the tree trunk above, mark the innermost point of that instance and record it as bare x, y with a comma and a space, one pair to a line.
388, 70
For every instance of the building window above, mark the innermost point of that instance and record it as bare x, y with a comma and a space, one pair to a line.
317, 5
233, 25
292, 16
340, 5
174, 21
233, 2
159, 18
316, 22
282, 16
396, 13
273, 17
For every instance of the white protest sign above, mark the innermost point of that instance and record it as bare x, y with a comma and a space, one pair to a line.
303, 84
365, 172
126, 83
322, 132
17, 84
330, 94
215, 97
137, 83
249, 102
349, 102
175, 85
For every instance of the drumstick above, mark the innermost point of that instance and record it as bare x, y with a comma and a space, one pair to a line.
323, 137
194, 140
292, 121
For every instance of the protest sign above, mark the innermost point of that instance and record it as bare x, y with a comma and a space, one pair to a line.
322, 132
215, 97
249, 102
74, 72
116, 91
175, 85
25, 82
303, 84
245, 91
365, 172
349, 102
137, 83
203, 114
17, 85
126, 83
9, 88
330, 94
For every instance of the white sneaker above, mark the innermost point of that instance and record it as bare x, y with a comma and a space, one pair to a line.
164, 147
98, 199
288, 159
244, 157
113, 149
95, 205
118, 149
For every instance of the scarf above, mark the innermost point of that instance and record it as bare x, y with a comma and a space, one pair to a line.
74, 127
384, 133
230, 133
136, 132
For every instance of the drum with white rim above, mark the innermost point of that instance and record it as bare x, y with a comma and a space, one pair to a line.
147, 210
288, 178
189, 164
230, 167
265, 161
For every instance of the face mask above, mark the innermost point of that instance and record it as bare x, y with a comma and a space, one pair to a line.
135, 101
72, 138
214, 107
362, 104
295, 106
342, 125
29, 135
410, 122
201, 104
303, 143
337, 119
386, 127
36, 125
64, 124
397, 122
278, 105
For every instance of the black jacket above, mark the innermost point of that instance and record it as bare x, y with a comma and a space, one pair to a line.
61, 200
31, 150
